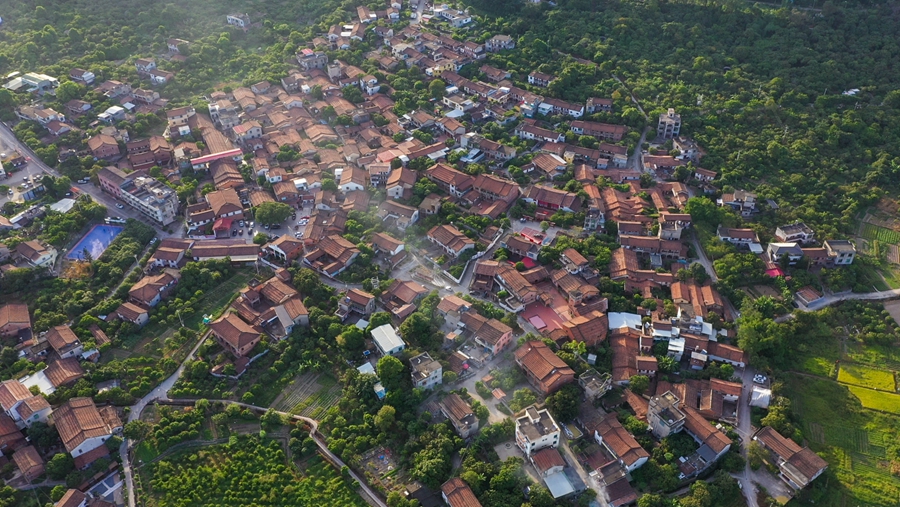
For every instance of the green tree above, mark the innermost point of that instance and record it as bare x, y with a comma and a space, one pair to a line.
60, 466
639, 384
391, 372
436, 89
385, 417
564, 404
271, 213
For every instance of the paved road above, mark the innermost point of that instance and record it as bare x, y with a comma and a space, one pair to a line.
867, 296
744, 429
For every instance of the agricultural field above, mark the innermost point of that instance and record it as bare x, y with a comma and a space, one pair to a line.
864, 376
860, 445
309, 394
873, 232
877, 400
248, 470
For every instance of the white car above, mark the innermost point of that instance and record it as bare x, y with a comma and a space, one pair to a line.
120, 205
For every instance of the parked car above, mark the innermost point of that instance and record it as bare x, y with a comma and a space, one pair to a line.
241, 232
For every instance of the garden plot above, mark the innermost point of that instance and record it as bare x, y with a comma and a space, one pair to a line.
863, 376
309, 394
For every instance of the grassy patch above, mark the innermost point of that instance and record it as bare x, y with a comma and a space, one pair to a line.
856, 442
877, 400
818, 366
864, 376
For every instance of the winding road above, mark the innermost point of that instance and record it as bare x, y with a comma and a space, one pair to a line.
160, 393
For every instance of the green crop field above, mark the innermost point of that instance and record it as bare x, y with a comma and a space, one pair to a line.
877, 400
874, 232
863, 376
853, 441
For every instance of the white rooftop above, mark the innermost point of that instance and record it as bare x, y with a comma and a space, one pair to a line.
366, 368
63, 205
559, 484
386, 338
618, 320
40, 380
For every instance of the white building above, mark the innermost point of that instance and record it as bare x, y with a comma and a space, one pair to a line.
536, 430
426, 372
387, 340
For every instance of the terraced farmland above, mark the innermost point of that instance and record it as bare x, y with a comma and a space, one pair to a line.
873, 232
309, 394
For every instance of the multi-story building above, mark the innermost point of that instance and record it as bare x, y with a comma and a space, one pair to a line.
153, 199
426, 372
536, 430
669, 124
460, 414
664, 416
842, 252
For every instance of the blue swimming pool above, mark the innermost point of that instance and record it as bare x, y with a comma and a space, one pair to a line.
96, 241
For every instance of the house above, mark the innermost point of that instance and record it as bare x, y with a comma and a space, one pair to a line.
456, 493
450, 239
499, 43
535, 133
383, 243
64, 341
607, 431
405, 215
561, 107
286, 248
740, 200
553, 199
238, 20
84, 429
21, 406
590, 329
737, 237
353, 179
493, 188
426, 372
356, 300
518, 245
150, 290
490, 334
450, 180
669, 125
29, 462
777, 251
175, 45
704, 175
14, 319
599, 130
797, 232
494, 74
245, 133
387, 341
11, 438
103, 146
235, 336
225, 203
598, 105
540, 79
460, 414
808, 295
332, 255
82, 76
400, 181
842, 252
144, 65
798, 466
544, 370
160, 77
131, 312
536, 430
37, 254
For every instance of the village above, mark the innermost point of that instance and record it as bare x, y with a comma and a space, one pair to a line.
561, 247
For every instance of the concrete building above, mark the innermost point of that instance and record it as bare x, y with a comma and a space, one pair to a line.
669, 125
387, 340
426, 372
536, 430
